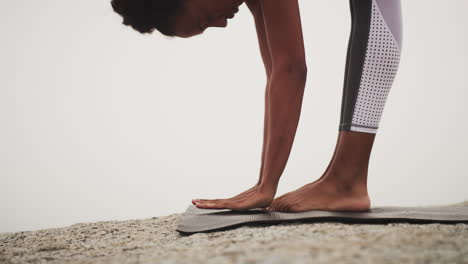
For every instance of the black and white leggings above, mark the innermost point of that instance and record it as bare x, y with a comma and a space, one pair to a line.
371, 64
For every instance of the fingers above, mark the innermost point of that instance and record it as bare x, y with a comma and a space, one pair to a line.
194, 201
232, 203
247, 200
214, 204
238, 198
205, 201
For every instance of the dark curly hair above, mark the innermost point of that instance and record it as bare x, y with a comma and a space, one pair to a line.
147, 15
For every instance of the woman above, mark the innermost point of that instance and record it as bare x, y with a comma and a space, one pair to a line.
372, 62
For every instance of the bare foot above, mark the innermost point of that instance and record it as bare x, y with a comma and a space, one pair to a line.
255, 197
324, 194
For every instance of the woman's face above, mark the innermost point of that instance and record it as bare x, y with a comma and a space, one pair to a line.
197, 15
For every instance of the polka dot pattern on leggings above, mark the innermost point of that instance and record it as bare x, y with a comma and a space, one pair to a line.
380, 67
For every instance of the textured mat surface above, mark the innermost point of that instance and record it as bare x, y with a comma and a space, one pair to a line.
196, 220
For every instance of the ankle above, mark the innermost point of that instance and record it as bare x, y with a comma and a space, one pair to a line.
347, 184
269, 190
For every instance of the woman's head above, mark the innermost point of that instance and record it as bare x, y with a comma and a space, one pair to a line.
182, 18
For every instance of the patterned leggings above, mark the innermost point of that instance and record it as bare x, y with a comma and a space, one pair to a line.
371, 64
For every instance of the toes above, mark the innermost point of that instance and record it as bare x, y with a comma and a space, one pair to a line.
279, 205
294, 208
290, 209
283, 208
273, 207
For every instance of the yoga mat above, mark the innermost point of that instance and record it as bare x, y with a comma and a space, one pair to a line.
196, 220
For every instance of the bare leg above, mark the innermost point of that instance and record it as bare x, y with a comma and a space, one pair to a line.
343, 186
371, 65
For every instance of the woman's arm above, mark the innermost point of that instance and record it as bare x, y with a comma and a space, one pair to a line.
281, 45
255, 8
288, 78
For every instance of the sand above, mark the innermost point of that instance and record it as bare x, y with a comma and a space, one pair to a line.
155, 240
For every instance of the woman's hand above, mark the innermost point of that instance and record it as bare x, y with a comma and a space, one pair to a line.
255, 197
280, 35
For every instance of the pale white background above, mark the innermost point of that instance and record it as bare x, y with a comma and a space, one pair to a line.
98, 122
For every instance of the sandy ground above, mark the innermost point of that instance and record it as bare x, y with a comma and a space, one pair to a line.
155, 240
